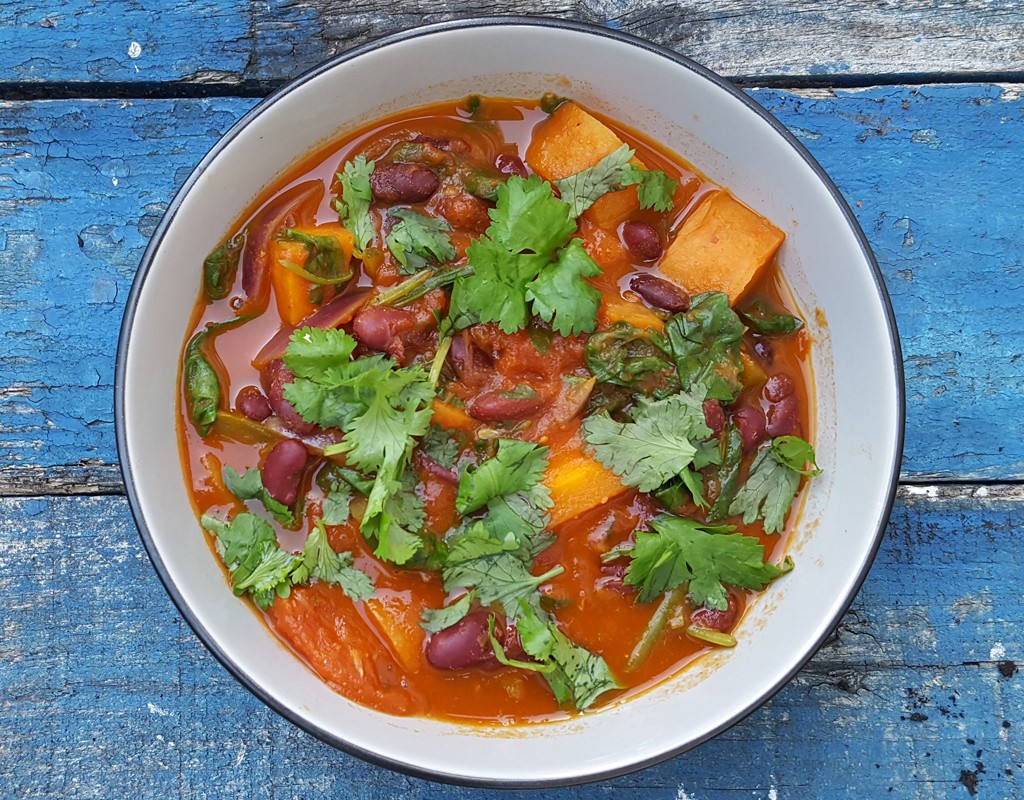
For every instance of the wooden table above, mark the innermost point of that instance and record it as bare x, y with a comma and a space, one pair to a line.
915, 109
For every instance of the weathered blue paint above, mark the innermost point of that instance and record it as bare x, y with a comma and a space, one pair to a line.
105, 692
240, 41
928, 173
82, 185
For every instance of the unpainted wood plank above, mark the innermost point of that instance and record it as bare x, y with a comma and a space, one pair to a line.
239, 42
926, 170
106, 692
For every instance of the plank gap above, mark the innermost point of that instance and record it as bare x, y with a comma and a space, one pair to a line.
26, 91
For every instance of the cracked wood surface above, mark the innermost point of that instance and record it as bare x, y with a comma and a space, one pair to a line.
925, 170
235, 43
105, 691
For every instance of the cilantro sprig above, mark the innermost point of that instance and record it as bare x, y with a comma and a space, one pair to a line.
664, 440
525, 263
582, 189
382, 410
249, 486
353, 206
773, 482
417, 240
576, 676
260, 567
707, 557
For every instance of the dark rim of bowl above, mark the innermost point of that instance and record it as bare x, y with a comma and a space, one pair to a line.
129, 317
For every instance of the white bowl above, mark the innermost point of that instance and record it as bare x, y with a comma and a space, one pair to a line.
856, 360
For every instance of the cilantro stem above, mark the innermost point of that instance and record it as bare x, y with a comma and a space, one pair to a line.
418, 285
499, 653
443, 347
669, 602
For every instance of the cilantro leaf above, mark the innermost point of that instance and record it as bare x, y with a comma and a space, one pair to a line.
796, 454
583, 188
418, 240
654, 188
496, 569
250, 487
337, 502
517, 466
705, 342
665, 438
496, 291
437, 619
574, 674
248, 547
561, 296
708, 557
440, 446
354, 204
528, 218
769, 491
256, 563
763, 319
319, 561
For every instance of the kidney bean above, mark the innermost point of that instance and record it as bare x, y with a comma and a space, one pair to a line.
381, 328
714, 416
716, 620
282, 470
465, 212
275, 377
253, 403
784, 417
510, 164
495, 407
642, 240
660, 293
763, 349
777, 387
750, 422
464, 644
402, 183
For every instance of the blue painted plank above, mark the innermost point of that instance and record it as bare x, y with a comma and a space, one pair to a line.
105, 692
926, 170
244, 41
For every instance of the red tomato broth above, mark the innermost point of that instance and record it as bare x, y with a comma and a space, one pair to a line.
342, 641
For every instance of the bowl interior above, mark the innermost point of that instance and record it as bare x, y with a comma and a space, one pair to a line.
855, 358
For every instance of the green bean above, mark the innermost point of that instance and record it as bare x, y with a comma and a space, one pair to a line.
669, 602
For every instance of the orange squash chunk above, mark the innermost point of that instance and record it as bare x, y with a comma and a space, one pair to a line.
291, 291
722, 246
572, 140
578, 483
636, 314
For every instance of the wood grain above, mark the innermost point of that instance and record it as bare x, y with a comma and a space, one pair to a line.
236, 44
106, 692
83, 183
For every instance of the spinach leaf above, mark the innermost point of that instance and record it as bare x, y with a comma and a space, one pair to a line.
705, 342
765, 320
220, 267
638, 359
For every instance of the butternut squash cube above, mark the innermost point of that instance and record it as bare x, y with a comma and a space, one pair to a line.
572, 140
722, 246
579, 483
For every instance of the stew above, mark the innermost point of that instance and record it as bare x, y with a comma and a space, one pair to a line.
497, 410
